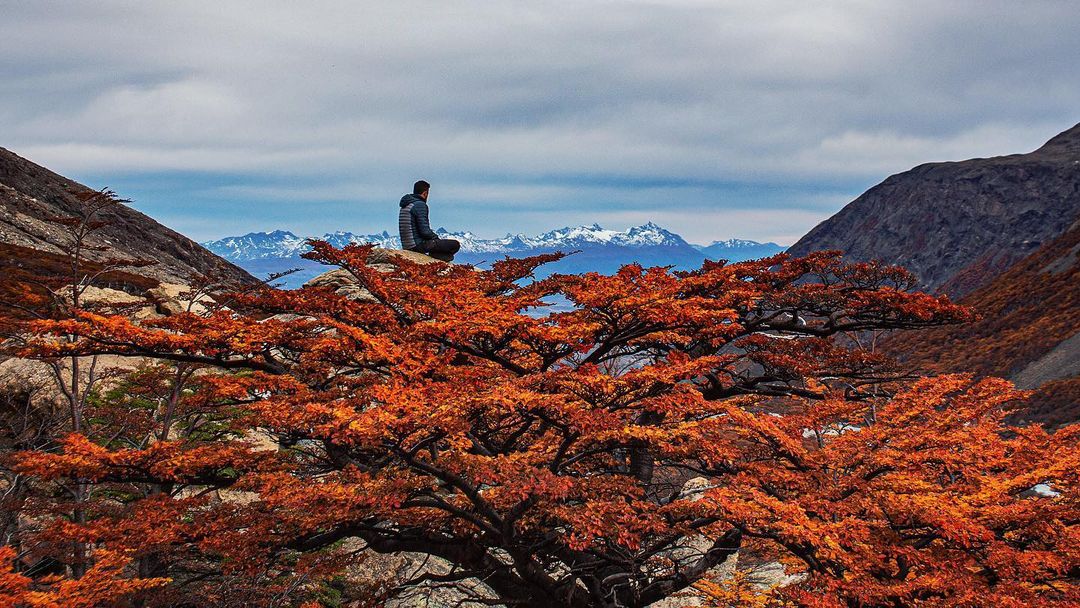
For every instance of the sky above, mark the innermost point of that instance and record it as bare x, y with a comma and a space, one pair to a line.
715, 119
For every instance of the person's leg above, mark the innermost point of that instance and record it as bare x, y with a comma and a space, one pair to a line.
444, 249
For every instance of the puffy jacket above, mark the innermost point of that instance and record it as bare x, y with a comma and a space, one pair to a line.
413, 222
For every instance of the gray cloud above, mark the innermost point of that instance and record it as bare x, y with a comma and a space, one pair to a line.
523, 110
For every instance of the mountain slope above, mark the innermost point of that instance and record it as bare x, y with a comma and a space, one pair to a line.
956, 225
31, 195
1029, 331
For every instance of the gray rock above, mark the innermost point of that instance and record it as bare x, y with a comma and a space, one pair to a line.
384, 260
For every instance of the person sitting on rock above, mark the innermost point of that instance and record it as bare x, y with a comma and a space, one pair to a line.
416, 233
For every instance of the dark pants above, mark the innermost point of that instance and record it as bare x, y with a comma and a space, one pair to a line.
440, 249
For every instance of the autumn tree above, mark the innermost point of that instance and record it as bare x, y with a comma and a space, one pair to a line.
123, 403
53, 286
543, 456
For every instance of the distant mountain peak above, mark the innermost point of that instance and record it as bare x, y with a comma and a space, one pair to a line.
275, 233
739, 243
284, 243
735, 250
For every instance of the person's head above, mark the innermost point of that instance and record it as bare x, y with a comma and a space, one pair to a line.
421, 189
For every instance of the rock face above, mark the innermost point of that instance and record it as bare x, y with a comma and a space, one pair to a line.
25, 376
171, 299
30, 195
957, 225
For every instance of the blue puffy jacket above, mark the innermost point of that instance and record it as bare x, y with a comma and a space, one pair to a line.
413, 222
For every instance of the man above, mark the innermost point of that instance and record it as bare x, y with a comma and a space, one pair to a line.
416, 233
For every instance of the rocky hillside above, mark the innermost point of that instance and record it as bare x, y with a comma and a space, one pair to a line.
31, 195
1029, 331
957, 225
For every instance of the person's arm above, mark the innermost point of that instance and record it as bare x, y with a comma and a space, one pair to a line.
423, 227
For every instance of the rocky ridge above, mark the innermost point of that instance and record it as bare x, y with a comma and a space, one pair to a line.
31, 197
957, 225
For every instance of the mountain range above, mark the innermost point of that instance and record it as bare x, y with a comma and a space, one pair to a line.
596, 249
737, 250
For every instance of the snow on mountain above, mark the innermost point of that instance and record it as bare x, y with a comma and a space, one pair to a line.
737, 250
258, 245
736, 244
285, 244
470, 242
649, 235
340, 239
597, 249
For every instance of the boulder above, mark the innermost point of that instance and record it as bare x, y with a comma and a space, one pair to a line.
381, 256
30, 377
108, 297
111, 301
174, 298
343, 283
37, 378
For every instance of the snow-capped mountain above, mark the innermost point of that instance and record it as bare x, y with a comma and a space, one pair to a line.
737, 250
735, 244
256, 245
340, 239
646, 235
597, 249
285, 244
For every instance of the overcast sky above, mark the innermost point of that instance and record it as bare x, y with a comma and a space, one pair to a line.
715, 119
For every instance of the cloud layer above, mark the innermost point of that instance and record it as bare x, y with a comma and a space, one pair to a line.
717, 119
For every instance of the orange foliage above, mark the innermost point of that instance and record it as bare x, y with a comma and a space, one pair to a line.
1056, 402
922, 502
543, 453
102, 585
29, 274
739, 589
1025, 313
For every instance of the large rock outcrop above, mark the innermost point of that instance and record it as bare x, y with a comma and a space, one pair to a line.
343, 283
957, 225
